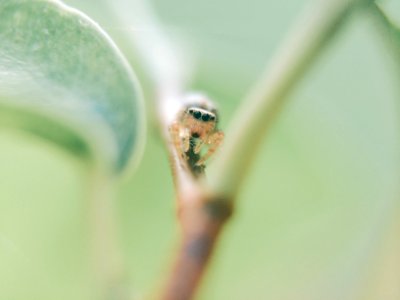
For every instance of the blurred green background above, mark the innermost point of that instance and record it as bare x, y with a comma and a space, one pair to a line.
318, 216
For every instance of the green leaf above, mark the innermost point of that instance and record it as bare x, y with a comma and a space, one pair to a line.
62, 78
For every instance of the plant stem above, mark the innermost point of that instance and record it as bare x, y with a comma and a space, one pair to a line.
107, 256
201, 221
254, 118
203, 208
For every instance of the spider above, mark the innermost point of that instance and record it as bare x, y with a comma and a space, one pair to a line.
194, 129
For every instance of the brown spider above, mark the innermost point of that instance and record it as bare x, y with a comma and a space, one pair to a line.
195, 129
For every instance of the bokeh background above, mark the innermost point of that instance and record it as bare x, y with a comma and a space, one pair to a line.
318, 217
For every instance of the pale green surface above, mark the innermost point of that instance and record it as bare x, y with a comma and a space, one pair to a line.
55, 62
311, 219
44, 248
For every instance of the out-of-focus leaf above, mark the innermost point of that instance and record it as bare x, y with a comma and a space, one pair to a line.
64, 79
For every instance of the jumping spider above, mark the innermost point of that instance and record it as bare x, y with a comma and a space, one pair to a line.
195, 129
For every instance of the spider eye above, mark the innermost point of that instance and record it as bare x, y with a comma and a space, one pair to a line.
212, 118
205, 117
191, 111
197, 115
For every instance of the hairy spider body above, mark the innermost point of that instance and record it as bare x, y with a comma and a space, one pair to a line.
195, 128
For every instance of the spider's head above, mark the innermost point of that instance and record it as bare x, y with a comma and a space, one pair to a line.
202, 114
201, 108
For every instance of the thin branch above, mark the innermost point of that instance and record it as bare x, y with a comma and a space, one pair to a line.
204, 207
201, 222
254, 118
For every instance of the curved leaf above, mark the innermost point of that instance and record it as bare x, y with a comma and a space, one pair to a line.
64, 79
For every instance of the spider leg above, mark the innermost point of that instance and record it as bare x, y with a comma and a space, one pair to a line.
175, 132
214, 141
198, 147
185, 138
